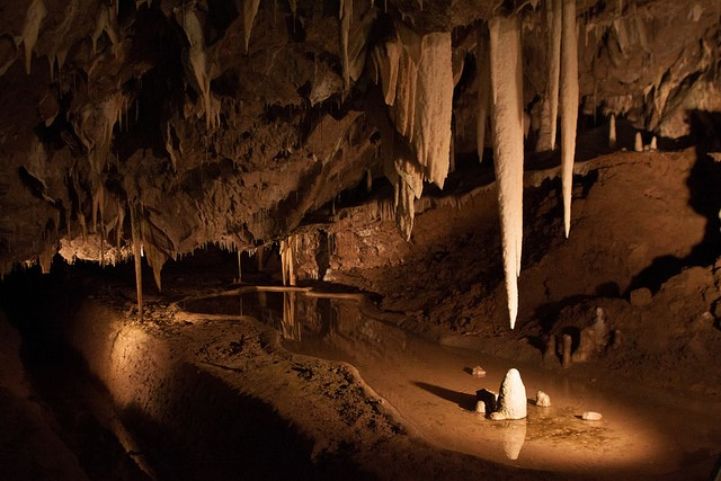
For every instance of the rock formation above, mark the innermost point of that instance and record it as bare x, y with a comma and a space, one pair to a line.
512, 401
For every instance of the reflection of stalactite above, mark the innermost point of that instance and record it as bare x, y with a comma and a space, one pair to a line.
290, 327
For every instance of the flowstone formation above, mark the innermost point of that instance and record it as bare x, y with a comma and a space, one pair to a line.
160, 127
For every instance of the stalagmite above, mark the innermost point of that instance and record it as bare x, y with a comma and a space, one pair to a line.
507, 120
612, 131
554, 16
250, 9
345, 14
654, 144
135, 233
512, 398
31, 29
484, 89
638, 143
569, 105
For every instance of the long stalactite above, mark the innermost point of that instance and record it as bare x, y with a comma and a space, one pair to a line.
507, 120
569, 105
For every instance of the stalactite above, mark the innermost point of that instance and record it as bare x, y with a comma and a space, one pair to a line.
612, 131
569, 105
250, 10
547, 140
484, 89
507, 115
345, 14
198, 61
422, 107
286, 249
240, 267
137, 257
31, 29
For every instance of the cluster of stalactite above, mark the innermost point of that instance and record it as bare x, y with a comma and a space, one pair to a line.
416, 74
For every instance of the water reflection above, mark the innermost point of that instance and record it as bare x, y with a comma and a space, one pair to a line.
428, 385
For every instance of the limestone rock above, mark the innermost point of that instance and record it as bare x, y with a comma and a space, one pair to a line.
512, 401
543, 400
641, 297
478, 371
591, 416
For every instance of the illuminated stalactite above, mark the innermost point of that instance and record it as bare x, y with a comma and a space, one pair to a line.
507, 121
569, 105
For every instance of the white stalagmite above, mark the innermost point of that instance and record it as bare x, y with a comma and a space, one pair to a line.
345, 14
507, 121
612, 131
484, 89
550, 108
31, 29
653, 146
638, 143
512, 400
250, 9
569, 105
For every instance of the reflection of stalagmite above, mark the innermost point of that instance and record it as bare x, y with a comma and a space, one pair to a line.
513, 438
507, 116
569, 105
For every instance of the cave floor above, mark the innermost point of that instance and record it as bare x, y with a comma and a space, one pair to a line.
644, 433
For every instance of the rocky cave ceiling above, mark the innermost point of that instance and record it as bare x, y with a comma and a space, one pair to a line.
179, 124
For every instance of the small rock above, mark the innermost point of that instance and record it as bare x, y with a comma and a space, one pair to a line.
478, 371
591, 416
480, 407
488, 398
641, 297
543, 400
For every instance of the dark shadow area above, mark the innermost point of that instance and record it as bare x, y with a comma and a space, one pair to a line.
705, 198
464, 400
488, 398
203, 430
214, 433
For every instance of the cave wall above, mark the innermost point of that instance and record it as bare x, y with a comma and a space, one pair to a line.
156, 109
